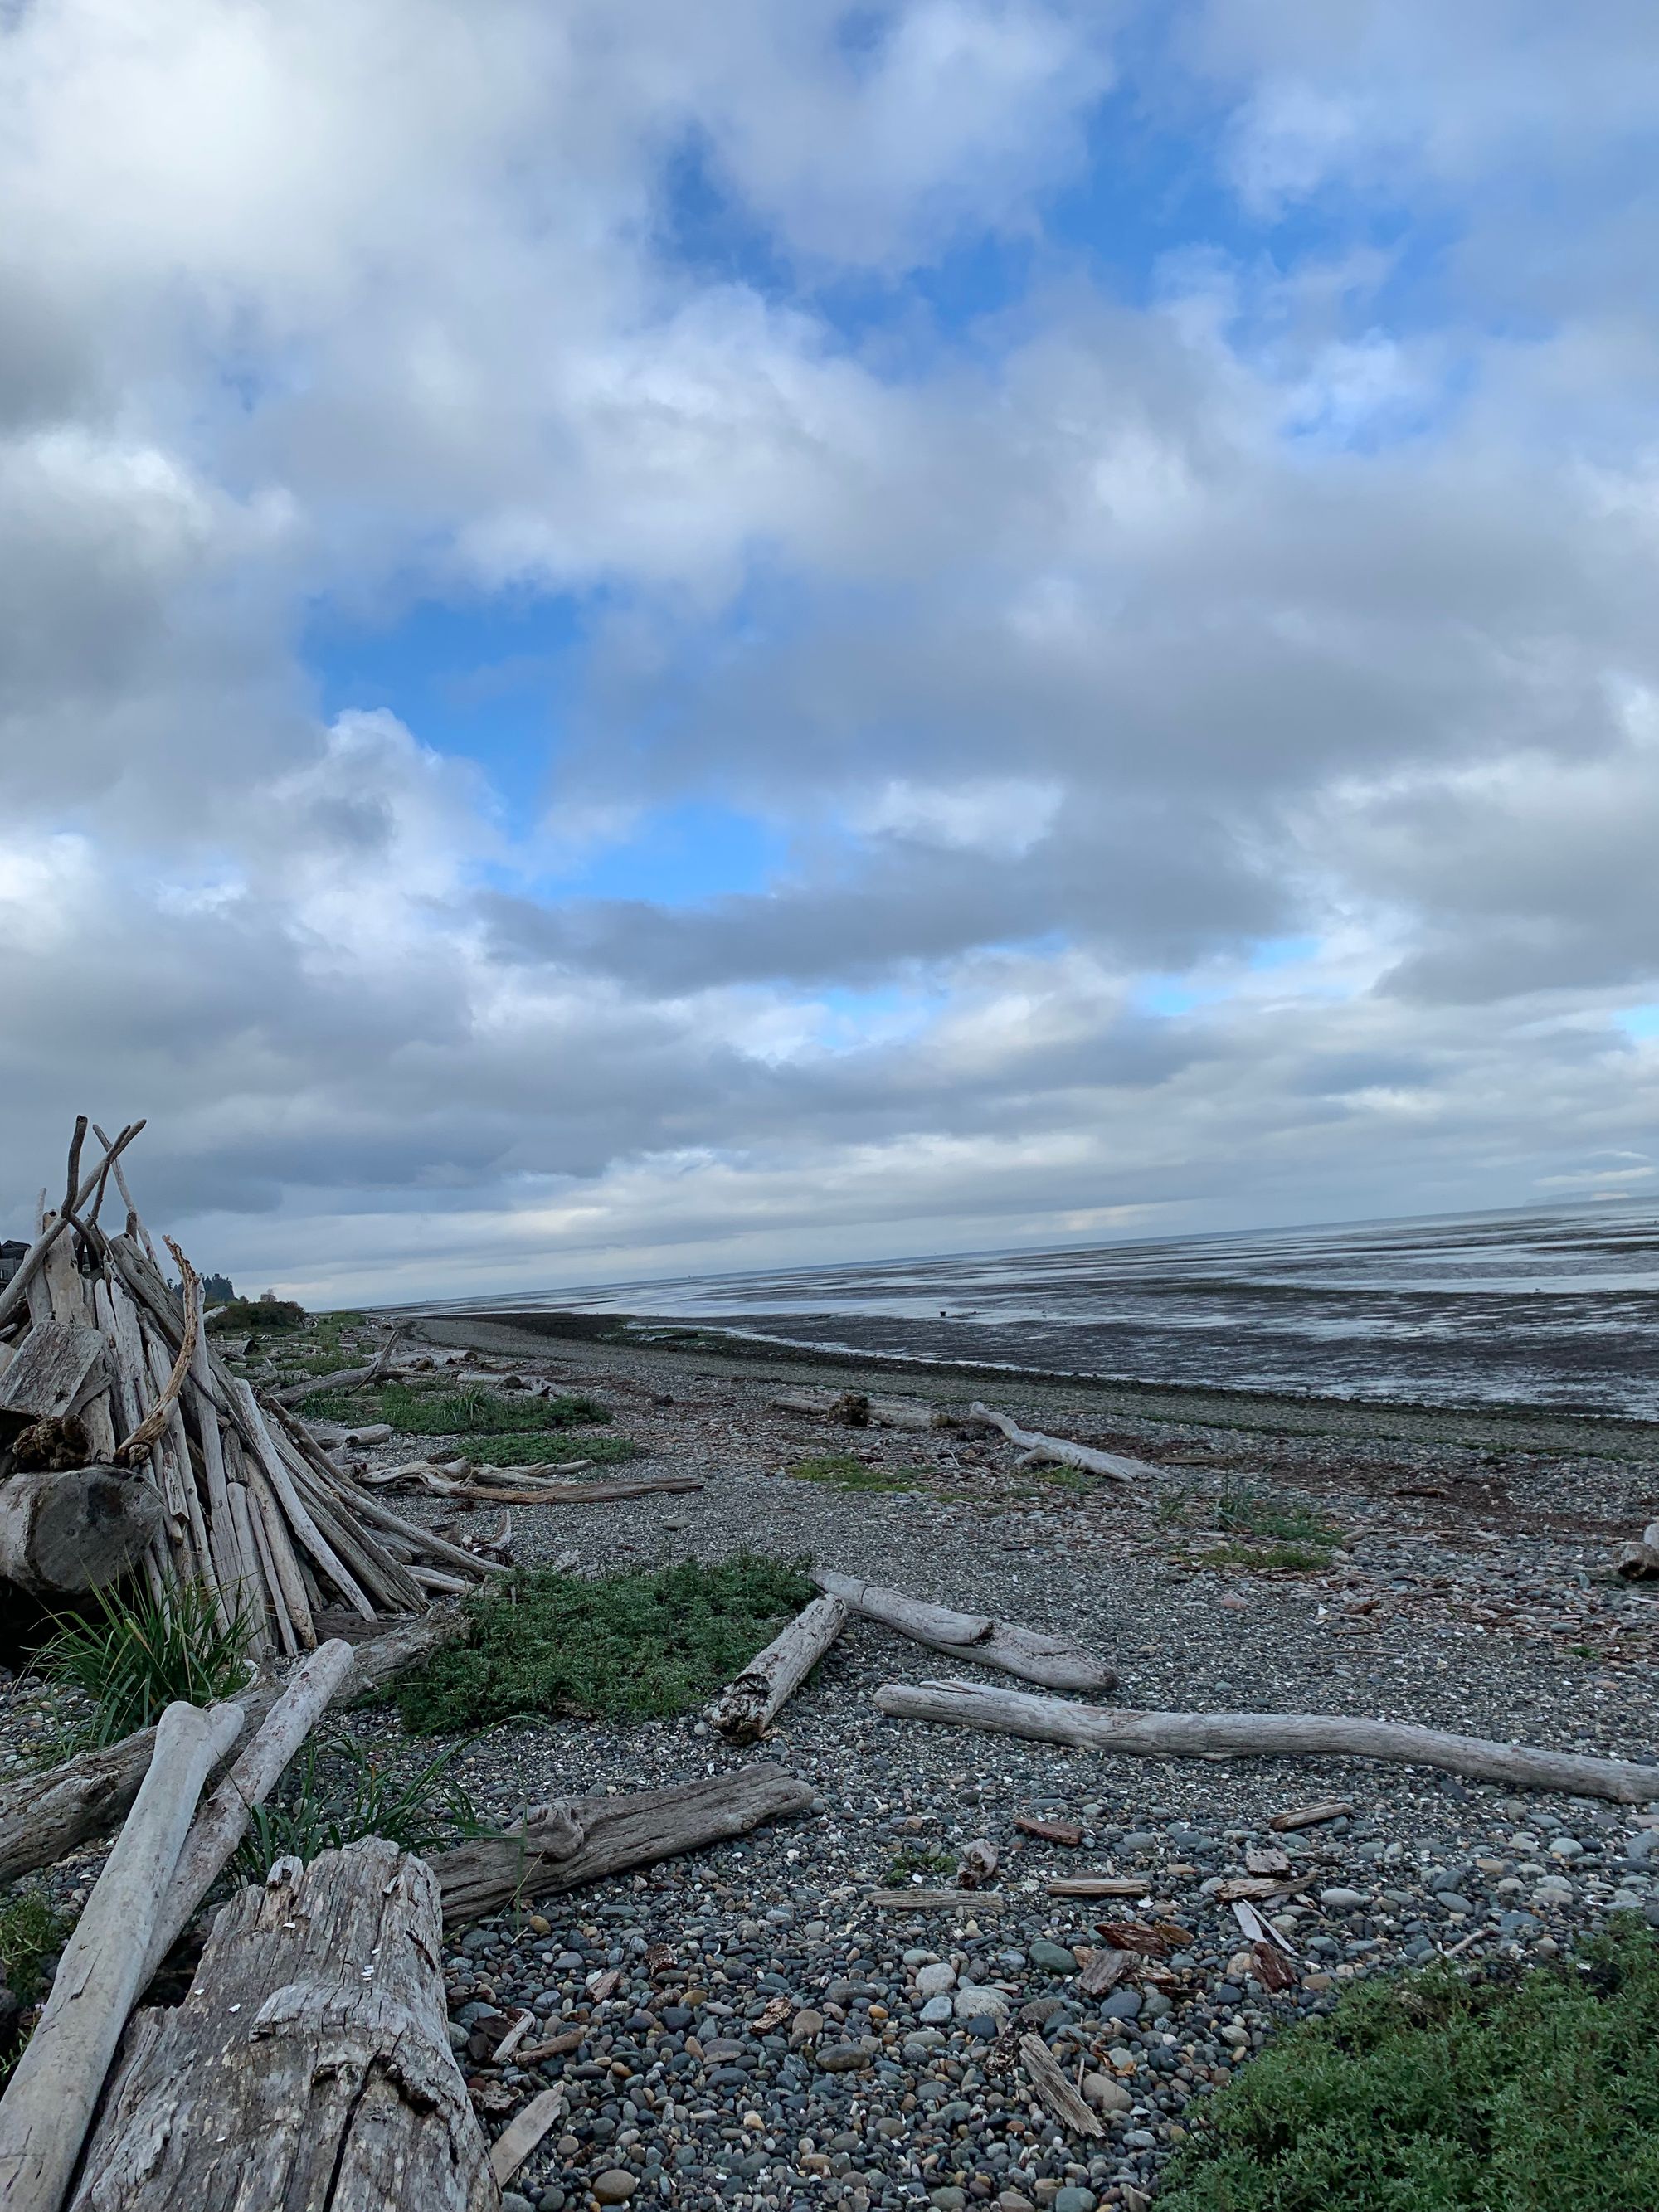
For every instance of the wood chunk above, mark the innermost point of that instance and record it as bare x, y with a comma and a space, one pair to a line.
1258, 1889
964, 1901
1055, 2091
1272, 1969
1050, 1831
62, 1535
1311, 1816
1105, 1970
522, 2133
748, 1707
56, 1367
1266, 1860
1099, 1885
1135, 1935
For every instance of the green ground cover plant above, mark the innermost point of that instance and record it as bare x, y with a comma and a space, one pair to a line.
474, 1411
1527, 2092
132, 1656
640, 1645
1266, 1559
1247, 1512
840, 1471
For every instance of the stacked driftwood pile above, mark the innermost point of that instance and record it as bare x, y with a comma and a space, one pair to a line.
126, 1441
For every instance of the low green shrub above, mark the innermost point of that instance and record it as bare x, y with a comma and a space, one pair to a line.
136, 1654
1527, 2091
474, 1411
632, 1646
842, 1472
259, 1314
1302, 1558
1243, 1511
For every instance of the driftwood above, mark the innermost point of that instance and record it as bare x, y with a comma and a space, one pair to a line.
1099, 1885
1032, 1654
310, 2065
16, 1295
940, 1900
57, 1367
48, 2104
859, 1409
746, 1707
1055, 2091
1043, 1451
44, 1817
1639, 1560
1310, 1816
1265, 1735
382, 1367
563, 1846
64, 1533
524, 2131
222, 1822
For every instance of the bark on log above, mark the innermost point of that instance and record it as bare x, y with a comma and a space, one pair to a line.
1055, 2091
1639, 1560
1032, 1654
563, 1846
57, 1367
747, 1707
62, 1535
1041, 1450
1265, 1735
48, 2104
309, 2068
860, 1409
44, 1817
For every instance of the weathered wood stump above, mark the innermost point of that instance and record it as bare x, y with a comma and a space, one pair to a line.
63, 1534
309, 2068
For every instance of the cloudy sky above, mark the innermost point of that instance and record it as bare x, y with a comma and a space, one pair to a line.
638, 638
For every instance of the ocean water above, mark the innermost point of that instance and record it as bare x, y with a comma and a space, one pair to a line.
1543, 1309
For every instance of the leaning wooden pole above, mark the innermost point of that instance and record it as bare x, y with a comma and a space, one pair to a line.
1264, 1735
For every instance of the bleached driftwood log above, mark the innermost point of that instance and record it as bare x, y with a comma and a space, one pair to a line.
64, 1533
56, 1367
309, 2067
563, 1846
1264, 1735
1639, 1560
48, 2104
45, 1816
223, 1821
861, 1409
383, 1367
1056, 1661
1043, 2073
747, 1707
1041, 1450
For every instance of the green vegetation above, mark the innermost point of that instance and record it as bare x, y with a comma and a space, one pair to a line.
842, 1472
261, 1315
1426, 2093
137, 1654
544, 1448
431, 1411
335, 1794
1266, 1559
1247, 1512
633, 1646
912, 1859
32, 1930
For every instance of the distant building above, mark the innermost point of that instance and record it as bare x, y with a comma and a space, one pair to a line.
11, 1258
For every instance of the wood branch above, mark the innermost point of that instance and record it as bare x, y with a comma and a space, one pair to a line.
48, 2104
746, 1708
1105, 1971
581, 1493
381, 1369
964, 1901
310, 2065
1055, 2091
62, 1535
1265, 1735
1099, 1885
1310, 1816
46, 1816
15, 1293
223, 1821
523, 2132
1060, 1451
610, 1834
1033, 1655
156, 1420
56, 1367
860, 1409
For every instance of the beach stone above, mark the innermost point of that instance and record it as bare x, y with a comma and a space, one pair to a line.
937, 2011
843, 2058
1053, 1958
1074, 2198
1339, 1899
977, 2003
806, 2025
932, 1981
1105, 2094
615, 2186
1123, 2004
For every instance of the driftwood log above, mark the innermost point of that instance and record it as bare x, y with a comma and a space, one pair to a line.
1639, 1560
48, 2104
860, 1409
1059, 1451
57, 1367
45, 1816
1265, 1735
1035, 1655
747, 1707
308, 2068
62, 1535
563, 1846
1043, 2071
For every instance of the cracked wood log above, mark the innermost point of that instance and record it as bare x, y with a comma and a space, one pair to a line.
45, 1816
1264, 1735
1638, 1562
48, 2104
747, 1707
56, 1367
62, 1535
309, 2067
1043, 2073
1035, 1655
1041, 1450
862, 1409
563, 1846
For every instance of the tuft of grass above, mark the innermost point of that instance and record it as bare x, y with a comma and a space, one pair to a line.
638, 1645
1300, 1559
135, 1655
1428, 2093
1247, 1512
32, 1930
842, 1472
911, 1859
474, 1411
335, 1794
545, 1445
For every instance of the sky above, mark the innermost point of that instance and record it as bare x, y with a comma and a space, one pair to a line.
637, 640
